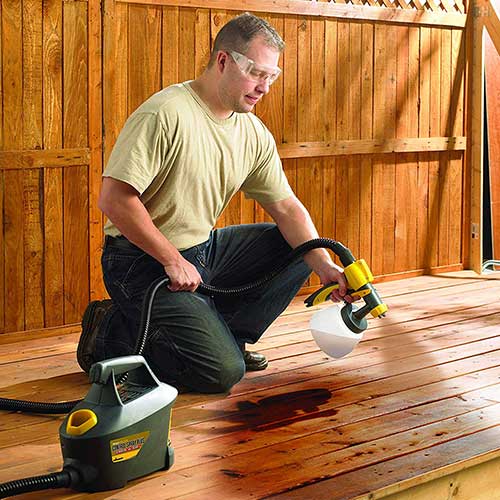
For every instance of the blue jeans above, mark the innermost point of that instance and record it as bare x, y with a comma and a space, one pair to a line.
197, 342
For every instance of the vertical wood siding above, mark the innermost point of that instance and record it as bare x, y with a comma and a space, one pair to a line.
44, 267
343, 80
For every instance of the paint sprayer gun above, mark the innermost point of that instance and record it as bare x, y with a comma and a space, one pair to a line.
338, 328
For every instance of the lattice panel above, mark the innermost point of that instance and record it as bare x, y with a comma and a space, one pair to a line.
438, 6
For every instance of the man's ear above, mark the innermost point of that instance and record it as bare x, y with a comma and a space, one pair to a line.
221, 60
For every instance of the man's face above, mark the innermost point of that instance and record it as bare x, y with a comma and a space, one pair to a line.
247, 77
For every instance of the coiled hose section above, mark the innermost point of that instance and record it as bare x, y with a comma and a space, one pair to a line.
343, 253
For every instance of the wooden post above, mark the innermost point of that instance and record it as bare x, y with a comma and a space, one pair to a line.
492, 76
492, 23
97, 290
476, 129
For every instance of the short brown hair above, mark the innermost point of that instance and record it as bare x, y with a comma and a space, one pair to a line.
240, 31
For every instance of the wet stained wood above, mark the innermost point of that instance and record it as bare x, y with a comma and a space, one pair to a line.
415, 402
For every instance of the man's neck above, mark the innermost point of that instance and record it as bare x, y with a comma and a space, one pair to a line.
207, 92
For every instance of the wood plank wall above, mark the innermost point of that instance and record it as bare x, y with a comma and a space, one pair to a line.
368, 117
492, 81
348, 86
44, 161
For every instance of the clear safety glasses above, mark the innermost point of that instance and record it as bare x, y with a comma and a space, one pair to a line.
255, 72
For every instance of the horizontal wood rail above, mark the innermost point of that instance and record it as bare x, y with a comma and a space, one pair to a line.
372, 146
40, 158
322, 9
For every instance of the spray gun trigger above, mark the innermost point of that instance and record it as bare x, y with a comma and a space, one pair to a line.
325, 292
361, 293
321, 295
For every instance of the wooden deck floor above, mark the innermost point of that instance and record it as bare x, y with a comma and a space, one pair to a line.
417, 400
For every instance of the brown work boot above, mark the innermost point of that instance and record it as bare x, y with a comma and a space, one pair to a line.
92, 319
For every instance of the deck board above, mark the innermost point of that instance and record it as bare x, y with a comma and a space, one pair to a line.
417, 399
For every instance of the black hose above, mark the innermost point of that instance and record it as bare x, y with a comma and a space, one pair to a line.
340, 250
37, 406
62, 479
343, 253
69, 476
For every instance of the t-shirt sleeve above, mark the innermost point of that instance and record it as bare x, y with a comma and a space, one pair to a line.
267, 182
139, 151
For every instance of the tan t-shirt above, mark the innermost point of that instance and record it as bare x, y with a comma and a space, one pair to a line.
187, 164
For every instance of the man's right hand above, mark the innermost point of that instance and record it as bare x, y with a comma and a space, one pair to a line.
121, 203
183, 276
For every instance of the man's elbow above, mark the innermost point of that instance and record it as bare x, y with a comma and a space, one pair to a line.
102, 203
107, 195
107, 203
285, 210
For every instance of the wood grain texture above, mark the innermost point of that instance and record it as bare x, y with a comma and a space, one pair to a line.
12, 67
75, 180
348, 89
1, 82
32, 74
95, 104
424, 381
202, 40
368, 117
170, 46
492, 69
2, 261
338, 10
354, 227
41, 158
144, 32
33, 250
54, 249
53, 273
14, 253
13, 250
52, 74
475, 131
116, 91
